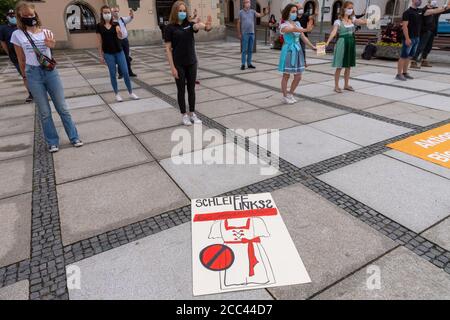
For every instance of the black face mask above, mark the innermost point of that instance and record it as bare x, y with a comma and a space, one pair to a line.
30, 22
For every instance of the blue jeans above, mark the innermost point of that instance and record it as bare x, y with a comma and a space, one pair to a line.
113, 59
247, 48
42, 83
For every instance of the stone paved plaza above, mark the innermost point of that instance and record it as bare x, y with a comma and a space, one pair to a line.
119, 207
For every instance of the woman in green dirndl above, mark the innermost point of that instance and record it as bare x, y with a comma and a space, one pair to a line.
345, 48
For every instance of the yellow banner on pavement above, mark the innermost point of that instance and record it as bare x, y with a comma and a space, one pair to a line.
432, 145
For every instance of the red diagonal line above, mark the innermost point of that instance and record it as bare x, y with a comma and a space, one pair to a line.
235, 214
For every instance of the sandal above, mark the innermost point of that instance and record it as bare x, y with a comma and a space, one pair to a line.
338, 90
349, 88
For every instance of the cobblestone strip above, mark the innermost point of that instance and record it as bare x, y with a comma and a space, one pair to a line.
47, 266
14, 272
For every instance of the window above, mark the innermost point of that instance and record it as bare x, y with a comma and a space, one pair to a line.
80, 18
391, 7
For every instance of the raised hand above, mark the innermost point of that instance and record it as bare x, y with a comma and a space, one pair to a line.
49, 39
208, 22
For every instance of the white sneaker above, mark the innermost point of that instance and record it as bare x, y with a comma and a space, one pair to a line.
195, 120
290, 96
119, 98
186, 120
286, 100
133, 96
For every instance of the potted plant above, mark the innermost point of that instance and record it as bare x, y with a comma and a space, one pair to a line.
390, 45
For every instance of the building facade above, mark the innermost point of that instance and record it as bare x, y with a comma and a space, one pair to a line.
73, 21
389, 9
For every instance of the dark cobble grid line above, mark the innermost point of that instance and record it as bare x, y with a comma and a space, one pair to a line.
14, 272
47, 265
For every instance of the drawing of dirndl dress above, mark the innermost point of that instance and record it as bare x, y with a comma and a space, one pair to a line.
251, 264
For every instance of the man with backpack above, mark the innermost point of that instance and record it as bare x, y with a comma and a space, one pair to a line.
123, 21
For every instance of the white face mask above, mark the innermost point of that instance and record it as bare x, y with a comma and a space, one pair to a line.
434, 4
107, 16
300, 12
348, 12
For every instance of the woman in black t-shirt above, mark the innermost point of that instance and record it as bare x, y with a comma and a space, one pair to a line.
111, 52
180, 49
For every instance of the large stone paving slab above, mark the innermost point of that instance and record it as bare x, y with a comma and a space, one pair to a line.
209, 179
392, 93
86, 115
268, 98
314, 90
306, 111
410, 113
97, 158
97, 131
358, 129
218, 82
410, 196
138, 106
101, 203
299, 145
240, 89
356, 100
83, 102
404, 276
16, 125
154, 120
16, 146
17, 111
161, 144
258, 119
110, 97
16, 291
15, 229
424, 85
219, 108
331, 243
420, 163
440, 234
431, 101
16, 176
156, 267
378, 77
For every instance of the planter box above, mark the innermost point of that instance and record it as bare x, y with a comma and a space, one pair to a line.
388, 52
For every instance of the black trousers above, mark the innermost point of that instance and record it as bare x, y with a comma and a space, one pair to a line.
303, 45
126, 50
425, 45
186, 78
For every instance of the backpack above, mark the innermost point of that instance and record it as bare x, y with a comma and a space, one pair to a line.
369, 51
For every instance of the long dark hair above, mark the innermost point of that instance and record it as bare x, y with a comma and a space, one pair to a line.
287, 11
102, 20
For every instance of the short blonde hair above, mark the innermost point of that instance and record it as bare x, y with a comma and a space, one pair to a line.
173, 18
21, 5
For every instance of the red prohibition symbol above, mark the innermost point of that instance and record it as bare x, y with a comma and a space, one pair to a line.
217, 257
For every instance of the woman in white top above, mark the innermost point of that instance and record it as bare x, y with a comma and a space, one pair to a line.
345, 48
42, 82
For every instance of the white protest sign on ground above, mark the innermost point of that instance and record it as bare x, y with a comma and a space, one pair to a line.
240, 242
